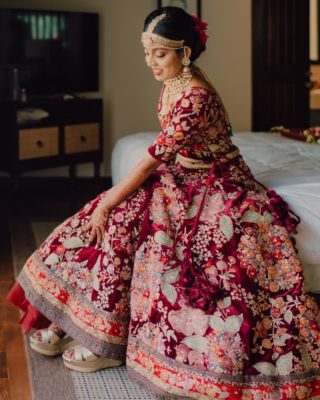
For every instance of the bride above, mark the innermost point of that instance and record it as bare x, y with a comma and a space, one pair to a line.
185, 270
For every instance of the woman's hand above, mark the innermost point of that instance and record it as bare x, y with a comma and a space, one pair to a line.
97, 223
114, 196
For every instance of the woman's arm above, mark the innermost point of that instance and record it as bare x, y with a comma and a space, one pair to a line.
131, 182
119, 193
190, 115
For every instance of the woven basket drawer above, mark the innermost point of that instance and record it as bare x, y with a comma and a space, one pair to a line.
38, 142
80, 138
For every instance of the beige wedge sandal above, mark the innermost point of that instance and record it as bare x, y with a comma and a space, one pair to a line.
83, 360
50, 344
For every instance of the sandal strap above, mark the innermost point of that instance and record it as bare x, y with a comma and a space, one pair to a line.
81, 353
48, 336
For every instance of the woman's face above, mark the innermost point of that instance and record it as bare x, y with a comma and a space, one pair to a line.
165, 63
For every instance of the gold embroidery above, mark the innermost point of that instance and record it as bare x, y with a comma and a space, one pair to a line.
213, 147
191, 163
233, 154
195, 164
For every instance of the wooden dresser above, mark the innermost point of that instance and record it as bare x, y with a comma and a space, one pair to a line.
69, 133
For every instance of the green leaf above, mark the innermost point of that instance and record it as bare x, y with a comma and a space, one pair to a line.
192, 211
233, 323
226, 226
253, 216
163, 238
73, 243
266, 368
226, 301
281, 340
268, 217
95, 273
306, 359
179, 252
198, 343
172, 275
170, 292
216, 323
52, 259
284, 364
288, 316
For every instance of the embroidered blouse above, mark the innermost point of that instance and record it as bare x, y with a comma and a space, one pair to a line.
196, 127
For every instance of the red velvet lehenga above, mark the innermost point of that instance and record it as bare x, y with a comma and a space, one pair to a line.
197, 284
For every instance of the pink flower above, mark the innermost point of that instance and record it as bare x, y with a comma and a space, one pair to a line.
212, 274
201, 28
119, 217
170, 141
60, 249
196, 358
182, 352
189, 321
213, 205
222, 265
252, 273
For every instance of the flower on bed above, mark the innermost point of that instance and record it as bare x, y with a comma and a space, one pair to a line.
310, 135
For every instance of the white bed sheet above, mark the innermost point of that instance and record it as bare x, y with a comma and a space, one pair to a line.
290, 167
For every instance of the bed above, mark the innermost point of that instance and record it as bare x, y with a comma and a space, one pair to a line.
290, 167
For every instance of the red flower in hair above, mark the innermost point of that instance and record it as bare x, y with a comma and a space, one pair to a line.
201, 28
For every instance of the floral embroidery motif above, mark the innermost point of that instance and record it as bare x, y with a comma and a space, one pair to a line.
197, 273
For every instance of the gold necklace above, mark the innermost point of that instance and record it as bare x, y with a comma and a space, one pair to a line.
173, 87
178, 82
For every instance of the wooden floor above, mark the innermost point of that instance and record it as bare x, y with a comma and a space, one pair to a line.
31, 199
14, 379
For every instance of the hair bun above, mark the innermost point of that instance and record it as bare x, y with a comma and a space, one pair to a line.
179, 25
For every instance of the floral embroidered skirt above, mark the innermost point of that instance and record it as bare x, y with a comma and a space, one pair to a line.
197, 285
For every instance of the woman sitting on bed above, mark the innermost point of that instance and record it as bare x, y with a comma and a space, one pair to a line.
185, 269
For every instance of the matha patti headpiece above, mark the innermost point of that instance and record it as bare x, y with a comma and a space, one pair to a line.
148, 37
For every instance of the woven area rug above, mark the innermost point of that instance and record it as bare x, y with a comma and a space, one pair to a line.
50, 379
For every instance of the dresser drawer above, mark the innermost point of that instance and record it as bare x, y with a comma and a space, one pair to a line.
38, 142
82, 137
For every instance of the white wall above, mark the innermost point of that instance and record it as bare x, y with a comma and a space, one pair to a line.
128, 89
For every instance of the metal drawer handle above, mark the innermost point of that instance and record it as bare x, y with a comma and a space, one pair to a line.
39, 143
83, 139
